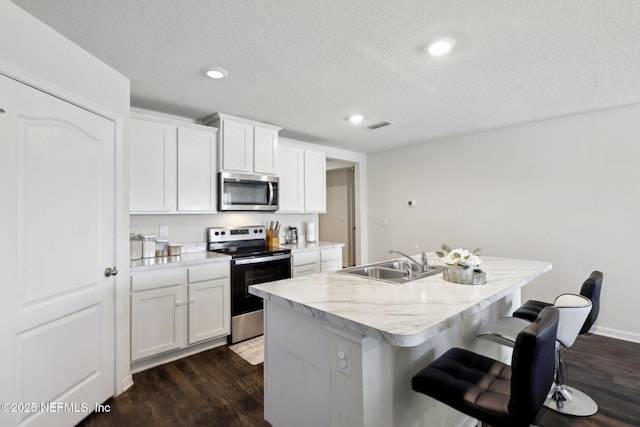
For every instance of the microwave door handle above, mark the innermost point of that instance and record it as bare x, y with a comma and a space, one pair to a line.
270, 194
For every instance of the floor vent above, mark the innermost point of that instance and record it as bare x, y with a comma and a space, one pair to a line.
379, 125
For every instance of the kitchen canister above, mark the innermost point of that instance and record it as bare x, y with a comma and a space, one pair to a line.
162, 247
148, 245
175, 249
135, 247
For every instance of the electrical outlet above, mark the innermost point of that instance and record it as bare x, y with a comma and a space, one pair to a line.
164, 231
411, 203
343, 353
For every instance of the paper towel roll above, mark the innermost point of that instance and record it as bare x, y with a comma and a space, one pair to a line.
311, 232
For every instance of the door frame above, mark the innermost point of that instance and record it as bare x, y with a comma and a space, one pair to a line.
120, 288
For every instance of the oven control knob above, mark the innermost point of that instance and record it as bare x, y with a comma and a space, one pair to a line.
223, 233
255, 231
217, 233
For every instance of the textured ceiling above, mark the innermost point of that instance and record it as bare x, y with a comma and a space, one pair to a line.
308, 64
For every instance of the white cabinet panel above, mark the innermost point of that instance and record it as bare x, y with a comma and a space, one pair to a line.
265, 150
315, 179
291, 173
236, 146
152, 183
209, 310
196, 170
157, 321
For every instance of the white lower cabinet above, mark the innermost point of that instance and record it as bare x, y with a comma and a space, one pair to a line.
158, 302
209, 302
330, 259
322, 260
175, 307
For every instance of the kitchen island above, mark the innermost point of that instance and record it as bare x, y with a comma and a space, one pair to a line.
340, 350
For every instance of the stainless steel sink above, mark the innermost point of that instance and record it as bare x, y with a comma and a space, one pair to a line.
391, 271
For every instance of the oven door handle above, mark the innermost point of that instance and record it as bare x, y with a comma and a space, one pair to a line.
246, 261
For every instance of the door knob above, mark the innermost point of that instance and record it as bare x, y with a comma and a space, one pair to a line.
110, 271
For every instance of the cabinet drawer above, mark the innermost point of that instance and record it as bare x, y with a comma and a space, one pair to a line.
201, 273
304, 258
330, 254
158, 279
329, 266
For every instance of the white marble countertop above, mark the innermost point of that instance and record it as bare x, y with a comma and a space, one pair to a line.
304, 246
184, 260
402, 315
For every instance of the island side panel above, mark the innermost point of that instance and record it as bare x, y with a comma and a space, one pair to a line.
306, 385
296, 369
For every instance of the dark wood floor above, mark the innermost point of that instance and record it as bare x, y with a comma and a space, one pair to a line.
218, 388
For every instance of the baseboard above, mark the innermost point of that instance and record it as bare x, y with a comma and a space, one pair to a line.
616, 333
144, 364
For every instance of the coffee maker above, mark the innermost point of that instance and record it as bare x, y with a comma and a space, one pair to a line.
292, 235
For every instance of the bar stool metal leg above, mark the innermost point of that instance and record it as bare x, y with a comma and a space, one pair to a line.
565, 399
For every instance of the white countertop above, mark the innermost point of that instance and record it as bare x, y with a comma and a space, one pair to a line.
402, 315
303, 246
184, 260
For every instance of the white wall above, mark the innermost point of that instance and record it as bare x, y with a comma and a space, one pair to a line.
193, 228
45, 59
565, 190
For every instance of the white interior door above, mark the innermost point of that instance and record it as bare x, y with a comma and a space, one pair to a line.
57, 168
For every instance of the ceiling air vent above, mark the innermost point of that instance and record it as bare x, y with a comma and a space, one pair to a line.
379, 125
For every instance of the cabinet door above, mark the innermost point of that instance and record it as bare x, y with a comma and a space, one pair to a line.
196, 170
209, 310
265, 146
152, 182
157, 321
236, 146
291, 173
305, 270
315, 179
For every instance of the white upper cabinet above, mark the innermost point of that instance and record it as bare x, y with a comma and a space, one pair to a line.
315, 181
172, 166
265, 149
196, 170
291, 173
152, 180
236, 146
245, 146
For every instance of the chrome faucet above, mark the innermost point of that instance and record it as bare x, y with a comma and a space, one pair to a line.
423, 265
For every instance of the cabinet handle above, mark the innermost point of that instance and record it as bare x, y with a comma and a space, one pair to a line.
187, 302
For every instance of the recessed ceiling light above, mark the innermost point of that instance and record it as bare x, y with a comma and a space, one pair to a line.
441, 46
216, 72
356, 118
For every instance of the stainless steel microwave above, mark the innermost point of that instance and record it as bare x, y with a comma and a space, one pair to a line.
240, 192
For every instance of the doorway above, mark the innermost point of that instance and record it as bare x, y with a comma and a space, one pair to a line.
338, 223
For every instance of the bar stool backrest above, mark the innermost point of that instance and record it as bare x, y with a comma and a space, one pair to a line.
574, 310
591, 289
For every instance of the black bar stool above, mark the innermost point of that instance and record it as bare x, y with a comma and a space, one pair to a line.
491, 391
562, 397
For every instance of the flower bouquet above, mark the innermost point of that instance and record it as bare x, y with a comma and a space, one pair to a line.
462, 265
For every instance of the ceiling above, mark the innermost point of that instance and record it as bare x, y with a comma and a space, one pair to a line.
306, 65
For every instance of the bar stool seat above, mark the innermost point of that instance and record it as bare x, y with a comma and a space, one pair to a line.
491, 391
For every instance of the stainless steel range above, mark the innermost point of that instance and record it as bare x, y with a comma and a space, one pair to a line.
252, 262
